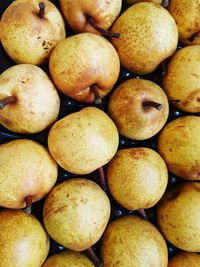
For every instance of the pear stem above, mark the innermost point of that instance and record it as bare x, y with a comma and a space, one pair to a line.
28, 207
165, 3
7, 100
42, 9
93, 257
142, 213
153, 104
97, 97
102, 31
102, 178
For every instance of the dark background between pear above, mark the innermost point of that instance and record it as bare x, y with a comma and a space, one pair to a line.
68, 106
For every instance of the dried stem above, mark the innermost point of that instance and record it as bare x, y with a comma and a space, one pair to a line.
93, 257
102, 178
28, 207
153, 104
7, 100
143, 213
97, 97
41, 9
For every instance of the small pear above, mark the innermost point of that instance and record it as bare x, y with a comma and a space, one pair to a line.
76, 213
185, 259
133, 242
23, 240
178, 216
178, 144
83, 141
148, 35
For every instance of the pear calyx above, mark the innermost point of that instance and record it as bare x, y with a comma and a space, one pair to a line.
41, 9
165, 3
29, 201
153, 104
7, 100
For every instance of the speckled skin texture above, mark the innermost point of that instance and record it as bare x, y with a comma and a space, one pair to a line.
131, 2
133, 242
84, 61
37, 102
132, 119
26, 168
76, 213
178, 216
103, 12
148, 35
182, 80
185, 259
83, 141
26, 37
23, 240
137, 177
178, 144
186, 15
68, 259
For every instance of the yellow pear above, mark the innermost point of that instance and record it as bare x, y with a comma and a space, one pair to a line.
178, 216
29, 102
76, 213
148, 35
26, 170
178, 144
133, 242
23, 240
185, 259
137, 177
83, 141
85, 67
30, 29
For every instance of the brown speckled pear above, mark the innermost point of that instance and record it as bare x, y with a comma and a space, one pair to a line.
26, 169
137, 177
131, 2
76, 213
84, 65
23, 240
134, 117
185, 259
178, 216
179, 145
148, 35
103, 12
83, 141
133, 242
28, 37
68, 258
182, 80
36, 102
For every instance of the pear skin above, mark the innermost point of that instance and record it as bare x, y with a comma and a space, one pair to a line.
131, 2
185, 259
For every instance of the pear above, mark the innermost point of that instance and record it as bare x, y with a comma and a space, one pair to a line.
83, 141
29, 102
178, 144
30, 29
182, 80
178, 216
186, 15
133, 242
185, 259
68, 258
27, 173
148, 35
131, 2
76, 213
85, 67
137, 177
23, 240
139, 109
79, 13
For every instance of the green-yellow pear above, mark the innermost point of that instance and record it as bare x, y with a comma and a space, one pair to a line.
133, 242
23, 240
26, 170
30, 29
148, 35
178, 216
102, 12
137, 177
139, 108
186, 15
178, 144
76, 213
29, 102
83, 141
185, 259
85, 67
182, 80
67, 259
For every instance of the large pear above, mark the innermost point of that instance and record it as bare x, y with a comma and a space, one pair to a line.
83, 141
